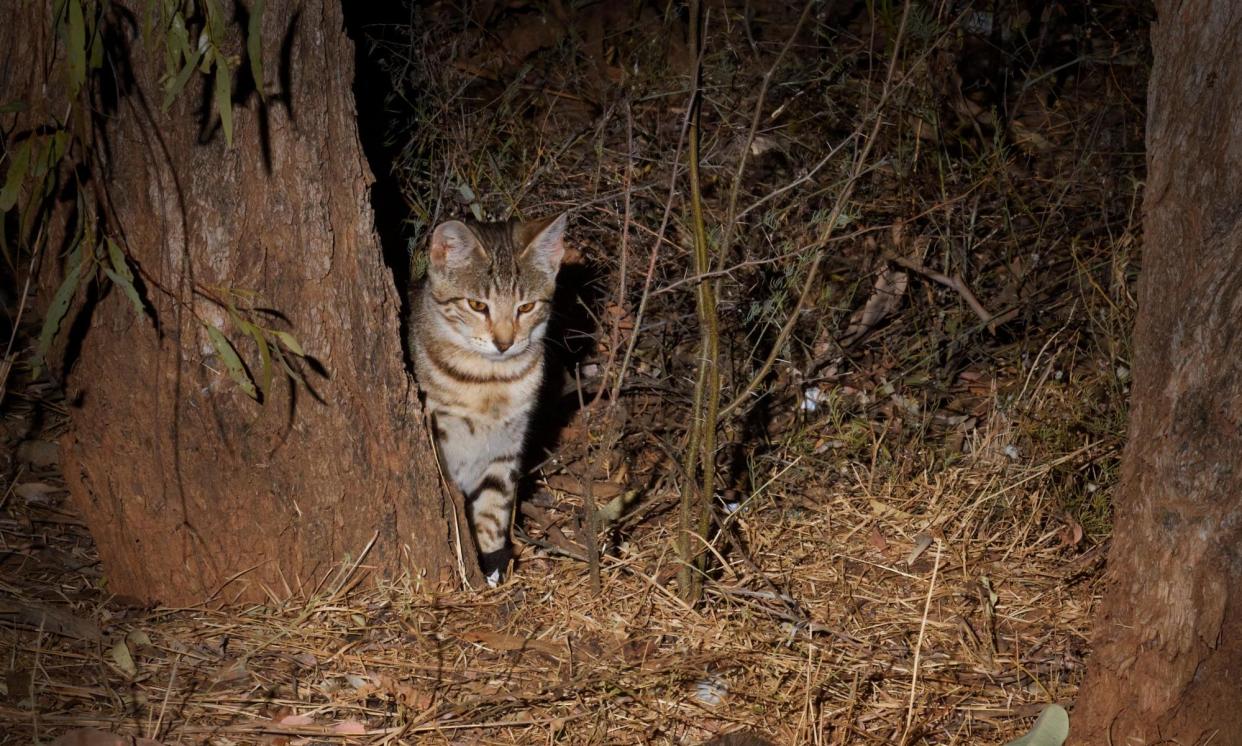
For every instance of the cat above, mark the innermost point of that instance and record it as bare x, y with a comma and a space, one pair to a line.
477, 325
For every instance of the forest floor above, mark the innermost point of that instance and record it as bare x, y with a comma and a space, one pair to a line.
913, 510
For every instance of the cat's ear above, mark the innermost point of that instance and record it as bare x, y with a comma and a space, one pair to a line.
453, 244
545, 241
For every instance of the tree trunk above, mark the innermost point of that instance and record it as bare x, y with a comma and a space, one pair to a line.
191, 489
1167, 666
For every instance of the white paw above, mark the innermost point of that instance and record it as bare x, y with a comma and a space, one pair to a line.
493, 579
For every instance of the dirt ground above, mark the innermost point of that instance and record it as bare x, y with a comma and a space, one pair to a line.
914, 502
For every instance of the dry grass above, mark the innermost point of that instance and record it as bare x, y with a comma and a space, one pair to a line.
914, 562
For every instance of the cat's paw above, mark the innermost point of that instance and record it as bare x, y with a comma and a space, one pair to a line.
494, 565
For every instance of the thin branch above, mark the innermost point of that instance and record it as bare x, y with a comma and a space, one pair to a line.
860, 167
955, 283
701, 449
731, 218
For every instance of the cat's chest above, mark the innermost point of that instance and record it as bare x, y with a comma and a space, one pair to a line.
494, 401
497, 402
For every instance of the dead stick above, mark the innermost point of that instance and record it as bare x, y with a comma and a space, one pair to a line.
955, 283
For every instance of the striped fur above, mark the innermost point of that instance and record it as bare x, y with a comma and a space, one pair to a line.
476, 335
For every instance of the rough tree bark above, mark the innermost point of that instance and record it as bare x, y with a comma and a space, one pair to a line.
1167, 666
192, 490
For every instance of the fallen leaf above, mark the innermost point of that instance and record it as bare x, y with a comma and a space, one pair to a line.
96, 737
1071, 534
1050, 729
35, 493
40, 453
877, 540
350, 728
405, 694
922, 541
498, 641
888, 511
236, 672
17, 685
296, 720
54, 620
123, 659
138, 639
886, 295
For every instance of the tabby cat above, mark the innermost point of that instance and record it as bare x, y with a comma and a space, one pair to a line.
476, 332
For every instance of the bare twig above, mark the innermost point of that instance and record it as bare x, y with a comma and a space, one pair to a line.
591, 530
918, 646
955, 283
731, 217
859, 169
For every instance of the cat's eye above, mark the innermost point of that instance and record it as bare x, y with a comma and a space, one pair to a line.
526, 307
477, 305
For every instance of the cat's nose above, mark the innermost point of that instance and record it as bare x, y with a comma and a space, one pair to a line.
502, 344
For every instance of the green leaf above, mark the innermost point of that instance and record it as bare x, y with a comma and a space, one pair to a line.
178, 40
280, 357
123, 276
123, 659
254, 45
172, 89
50, 149
215, 24
148, 20
1050, 729
57, 145
127, 287
12, 107
265, 356
16, 175
76, 48
58, 308
290, 342
224, 99
96, 48
209, 55
232, 363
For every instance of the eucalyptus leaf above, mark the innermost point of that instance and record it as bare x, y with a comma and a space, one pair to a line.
57, 145
40, 159
13, 180
179, 38
291, 343
280, 357
254, 44
58, 308
232, 363
265, 357
96, 45
1050, 729
148, 20
127, 286
224, 99
215, 23
172, 89
76, 48
117, 257
123, 659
